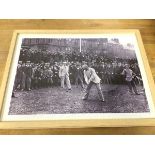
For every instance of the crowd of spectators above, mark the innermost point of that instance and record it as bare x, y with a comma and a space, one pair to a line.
39, 64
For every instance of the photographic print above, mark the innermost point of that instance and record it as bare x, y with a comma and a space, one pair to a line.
71, 76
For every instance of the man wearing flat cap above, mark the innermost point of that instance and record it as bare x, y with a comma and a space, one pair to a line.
91, 78
129, 78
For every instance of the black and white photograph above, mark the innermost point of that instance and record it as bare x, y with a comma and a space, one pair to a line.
77, 75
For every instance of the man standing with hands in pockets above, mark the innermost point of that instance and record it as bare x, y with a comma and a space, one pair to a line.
91, 78
64, 75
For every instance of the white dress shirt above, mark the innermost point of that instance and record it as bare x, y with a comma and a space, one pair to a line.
90, 75
64, 70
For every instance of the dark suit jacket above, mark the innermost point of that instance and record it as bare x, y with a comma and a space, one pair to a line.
28, 71
78, 72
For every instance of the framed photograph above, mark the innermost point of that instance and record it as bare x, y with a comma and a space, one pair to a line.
77, 78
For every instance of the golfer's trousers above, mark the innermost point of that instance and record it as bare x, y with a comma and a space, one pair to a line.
98, 86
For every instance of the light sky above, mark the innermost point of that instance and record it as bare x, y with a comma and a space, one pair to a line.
124, 39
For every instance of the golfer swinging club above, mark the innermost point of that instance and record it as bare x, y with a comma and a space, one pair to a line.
91, 78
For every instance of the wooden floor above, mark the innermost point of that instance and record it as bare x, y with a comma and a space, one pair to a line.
146, 27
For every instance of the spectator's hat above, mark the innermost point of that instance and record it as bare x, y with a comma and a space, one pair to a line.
28, 61
48, 63
126, 65
78, 64
85, 66
19, 62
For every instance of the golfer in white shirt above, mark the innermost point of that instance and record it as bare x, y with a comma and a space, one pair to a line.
91, 78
